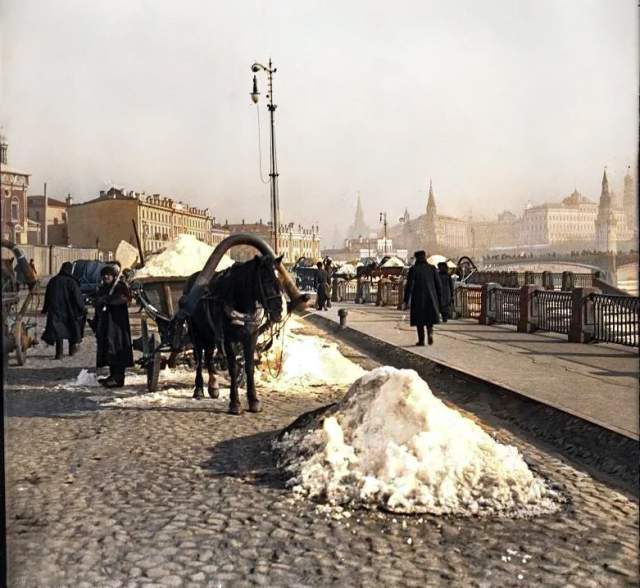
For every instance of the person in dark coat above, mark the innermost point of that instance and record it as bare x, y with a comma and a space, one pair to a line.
64, 307
423, 292
322, 287
113, 333
446, 287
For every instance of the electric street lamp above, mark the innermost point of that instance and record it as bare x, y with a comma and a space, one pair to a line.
275, 205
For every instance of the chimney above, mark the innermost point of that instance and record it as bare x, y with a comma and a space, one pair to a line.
102, 193
69, 199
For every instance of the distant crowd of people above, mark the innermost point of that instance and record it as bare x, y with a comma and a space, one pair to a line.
64, 306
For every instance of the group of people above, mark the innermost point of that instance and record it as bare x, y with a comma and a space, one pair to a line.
429, 293
66, 313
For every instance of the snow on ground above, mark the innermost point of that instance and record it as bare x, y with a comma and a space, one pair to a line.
390, 443
184, 256
309, 362
302, 361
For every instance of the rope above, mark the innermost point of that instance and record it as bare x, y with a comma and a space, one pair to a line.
278, 330
260, 148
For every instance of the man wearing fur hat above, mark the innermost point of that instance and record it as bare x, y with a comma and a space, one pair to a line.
423, 293
113, 332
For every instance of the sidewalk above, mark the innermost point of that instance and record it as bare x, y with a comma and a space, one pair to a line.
596, 382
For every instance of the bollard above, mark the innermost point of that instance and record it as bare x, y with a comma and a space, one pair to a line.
342, 314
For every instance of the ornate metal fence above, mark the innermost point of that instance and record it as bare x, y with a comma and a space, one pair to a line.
468, 301
553, 310
615, 319
506, 304
347, 291
389, 293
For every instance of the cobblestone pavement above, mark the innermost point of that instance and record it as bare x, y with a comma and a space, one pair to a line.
188, 496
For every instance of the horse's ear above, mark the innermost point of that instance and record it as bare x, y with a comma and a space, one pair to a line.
278, 259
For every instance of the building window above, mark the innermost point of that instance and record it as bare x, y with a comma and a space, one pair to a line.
15, 210
37, 215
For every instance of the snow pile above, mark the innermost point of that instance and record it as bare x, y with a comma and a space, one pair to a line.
184, 256
86, 378
391, 444
301, 361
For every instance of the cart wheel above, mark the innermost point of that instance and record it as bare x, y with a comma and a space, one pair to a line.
154, 364
21, 352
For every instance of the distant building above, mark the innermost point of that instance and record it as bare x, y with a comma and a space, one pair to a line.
294, 241
105, 221
14, 185
630, 206
570, 221
57, 232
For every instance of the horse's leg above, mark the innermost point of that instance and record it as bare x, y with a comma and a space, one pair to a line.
234, 401
249, 348
213, 388
198, 393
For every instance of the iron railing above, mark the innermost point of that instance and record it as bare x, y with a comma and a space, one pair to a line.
468, 301
347, 291
615, 319
369, 291
506, 305
389, 294
553, 310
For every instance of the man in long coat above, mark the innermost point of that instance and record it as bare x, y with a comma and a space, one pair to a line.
64, 307
423, 292
446, 286
113, 333
322, 287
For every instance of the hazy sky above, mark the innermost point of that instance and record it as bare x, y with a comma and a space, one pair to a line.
498, 101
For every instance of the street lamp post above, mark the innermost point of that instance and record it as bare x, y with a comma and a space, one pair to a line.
383, 219
275, 204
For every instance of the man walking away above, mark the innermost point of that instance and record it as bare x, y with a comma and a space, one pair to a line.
423, 292
446, 288
113, 333
64, 307
322, 287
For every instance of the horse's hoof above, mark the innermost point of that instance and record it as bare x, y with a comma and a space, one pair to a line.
214, 392
198, 394
235, 409
255, 406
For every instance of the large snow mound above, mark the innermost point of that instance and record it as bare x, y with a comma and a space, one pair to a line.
183, 256
391, 444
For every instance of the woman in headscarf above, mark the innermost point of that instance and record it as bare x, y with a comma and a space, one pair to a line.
64, 307
423, 292
446, 287
113, 332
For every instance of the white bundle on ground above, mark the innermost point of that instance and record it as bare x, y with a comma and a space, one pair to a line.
183, 256
391, 444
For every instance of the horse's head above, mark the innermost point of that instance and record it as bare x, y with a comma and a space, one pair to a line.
269, 290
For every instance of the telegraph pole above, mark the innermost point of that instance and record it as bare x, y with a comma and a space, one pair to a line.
275, 202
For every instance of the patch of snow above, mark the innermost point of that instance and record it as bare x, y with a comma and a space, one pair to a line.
391, 444
87, 378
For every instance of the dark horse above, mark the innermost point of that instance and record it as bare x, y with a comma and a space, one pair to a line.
242, 302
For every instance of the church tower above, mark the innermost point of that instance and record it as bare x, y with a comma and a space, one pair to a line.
605, 222
431, 228
630, 204
359, 227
